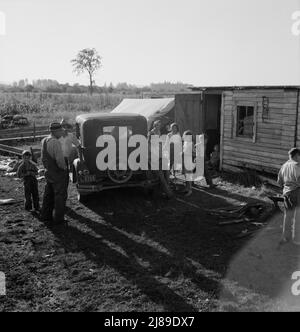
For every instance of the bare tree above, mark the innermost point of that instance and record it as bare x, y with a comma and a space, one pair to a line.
87, 60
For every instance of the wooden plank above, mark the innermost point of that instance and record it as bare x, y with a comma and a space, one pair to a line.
280, 114
283, 142
259, 167
254, 159
286, 111
37, 137
256, 153
268, 169
236, 144
264, 126
275, 138
227, 118
282, 122
274, 148
249, 161
222, 131
188, 112
275, 101
261, 145
255, 124
228, 108
258, 94
232, 169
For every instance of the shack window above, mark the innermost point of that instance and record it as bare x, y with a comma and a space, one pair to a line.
245, 121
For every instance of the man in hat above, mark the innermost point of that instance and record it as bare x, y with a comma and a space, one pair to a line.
69, 142
57, 177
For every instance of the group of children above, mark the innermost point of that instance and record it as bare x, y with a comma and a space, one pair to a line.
211, 162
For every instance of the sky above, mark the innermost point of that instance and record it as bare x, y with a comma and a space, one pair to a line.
199, 42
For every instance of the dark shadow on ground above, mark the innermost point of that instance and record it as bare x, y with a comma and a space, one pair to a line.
99, 252
193, 238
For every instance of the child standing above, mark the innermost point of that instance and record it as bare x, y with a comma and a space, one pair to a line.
189, 154
28, 172
214, 162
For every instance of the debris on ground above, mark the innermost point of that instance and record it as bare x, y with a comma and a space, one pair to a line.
246, 233
255, 213
10, 174
8, 201
276, 200
233, 222
9, 165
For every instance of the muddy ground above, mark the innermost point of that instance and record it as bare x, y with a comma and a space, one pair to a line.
126, 252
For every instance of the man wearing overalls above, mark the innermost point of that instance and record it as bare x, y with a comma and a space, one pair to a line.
57, 177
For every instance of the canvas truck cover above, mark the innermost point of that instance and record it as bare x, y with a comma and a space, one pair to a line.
151, 109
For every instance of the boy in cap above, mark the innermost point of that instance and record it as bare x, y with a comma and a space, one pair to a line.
28, 172
57, 177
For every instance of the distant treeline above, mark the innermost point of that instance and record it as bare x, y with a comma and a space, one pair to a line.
52, 86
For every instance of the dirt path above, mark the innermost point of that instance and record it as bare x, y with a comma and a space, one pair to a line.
123, 252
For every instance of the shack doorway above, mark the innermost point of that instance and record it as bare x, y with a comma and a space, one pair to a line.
212, 120
201, 113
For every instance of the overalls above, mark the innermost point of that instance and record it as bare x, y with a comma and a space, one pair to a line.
56, 190
31, 192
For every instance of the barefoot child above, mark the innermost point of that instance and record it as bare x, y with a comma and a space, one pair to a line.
28, 172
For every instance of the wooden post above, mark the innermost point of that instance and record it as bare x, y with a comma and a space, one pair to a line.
34, 131
34, 159
222, 131
297, 119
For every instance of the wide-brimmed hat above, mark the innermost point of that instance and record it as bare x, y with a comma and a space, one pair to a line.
26, 153
55, 126
65, 124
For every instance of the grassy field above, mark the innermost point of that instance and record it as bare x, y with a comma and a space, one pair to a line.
43, 108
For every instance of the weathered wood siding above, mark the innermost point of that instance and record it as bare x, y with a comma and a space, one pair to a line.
189, 112
274, 134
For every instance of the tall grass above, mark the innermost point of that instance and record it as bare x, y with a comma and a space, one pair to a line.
43, 108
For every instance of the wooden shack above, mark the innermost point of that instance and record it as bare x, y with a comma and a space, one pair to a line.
255, 126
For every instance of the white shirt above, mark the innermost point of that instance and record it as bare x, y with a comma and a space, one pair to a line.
67, 143
289, 176
173, 139
188, 149
55, 151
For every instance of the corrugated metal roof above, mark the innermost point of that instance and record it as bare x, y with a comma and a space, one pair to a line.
263, 87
